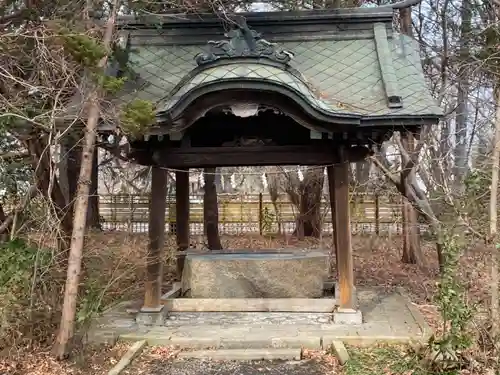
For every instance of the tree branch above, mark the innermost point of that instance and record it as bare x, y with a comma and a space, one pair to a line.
32, 192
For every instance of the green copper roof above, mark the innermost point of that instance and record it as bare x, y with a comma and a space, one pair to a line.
248, 71
372, 74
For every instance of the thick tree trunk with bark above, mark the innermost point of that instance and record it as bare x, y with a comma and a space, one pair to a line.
71, 150
415, 195
211, 210
66, 328
362, 175
493, 236
3, 236
306, 197
273, 187
461, 119
48, 184
310, 204
412, 251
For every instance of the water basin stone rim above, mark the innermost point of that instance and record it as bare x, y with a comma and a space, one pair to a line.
256, 255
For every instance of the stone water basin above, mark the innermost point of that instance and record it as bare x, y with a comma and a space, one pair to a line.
255, 274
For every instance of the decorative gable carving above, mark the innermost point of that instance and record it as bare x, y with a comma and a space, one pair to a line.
243, 42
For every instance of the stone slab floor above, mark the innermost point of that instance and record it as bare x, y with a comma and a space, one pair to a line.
387, 318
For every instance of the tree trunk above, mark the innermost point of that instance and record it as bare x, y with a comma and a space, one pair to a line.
3, 236
412, 251
211, 210
419, 200
7, 222
48, 185
66, 328
495, 159
310, 203
362, 175
73, 150
70, 169
273, 187
306, 196
461, 117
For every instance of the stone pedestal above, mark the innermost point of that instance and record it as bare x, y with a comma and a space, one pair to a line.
150, 316
347, 316
263, 274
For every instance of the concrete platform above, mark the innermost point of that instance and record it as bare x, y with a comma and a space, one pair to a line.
387, 318
312, 305
174, 302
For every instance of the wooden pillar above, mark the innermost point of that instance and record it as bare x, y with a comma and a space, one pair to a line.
211, 210
338, 182
330, 170
181, 216
154, 266
93, 220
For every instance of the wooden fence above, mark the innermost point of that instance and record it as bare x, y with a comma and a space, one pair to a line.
251, 214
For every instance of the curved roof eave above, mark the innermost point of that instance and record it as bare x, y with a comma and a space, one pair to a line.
315, 109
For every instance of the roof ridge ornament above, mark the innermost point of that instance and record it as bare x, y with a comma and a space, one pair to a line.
243, 42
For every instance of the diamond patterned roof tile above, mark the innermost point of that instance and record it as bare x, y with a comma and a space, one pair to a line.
341, 75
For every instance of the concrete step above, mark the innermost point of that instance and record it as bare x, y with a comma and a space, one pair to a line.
243, 354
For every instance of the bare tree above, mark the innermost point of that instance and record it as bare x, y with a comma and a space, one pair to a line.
495, 160
306, 196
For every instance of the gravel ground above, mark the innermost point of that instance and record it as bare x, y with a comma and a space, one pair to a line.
205, 367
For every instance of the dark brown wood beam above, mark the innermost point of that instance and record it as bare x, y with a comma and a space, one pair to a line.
211, 157
211, 210
156, 230
181, 216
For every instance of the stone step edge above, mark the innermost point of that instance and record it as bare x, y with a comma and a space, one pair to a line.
304, 340
243, 354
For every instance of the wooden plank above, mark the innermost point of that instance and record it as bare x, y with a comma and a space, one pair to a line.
316, 305
174, 292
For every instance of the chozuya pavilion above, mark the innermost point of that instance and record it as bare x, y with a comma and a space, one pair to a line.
321, 87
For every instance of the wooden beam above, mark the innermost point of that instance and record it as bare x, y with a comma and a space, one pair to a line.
338, 177
181, 215
212, 157
156, 231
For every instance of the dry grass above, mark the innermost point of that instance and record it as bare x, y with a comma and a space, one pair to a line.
85, 361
